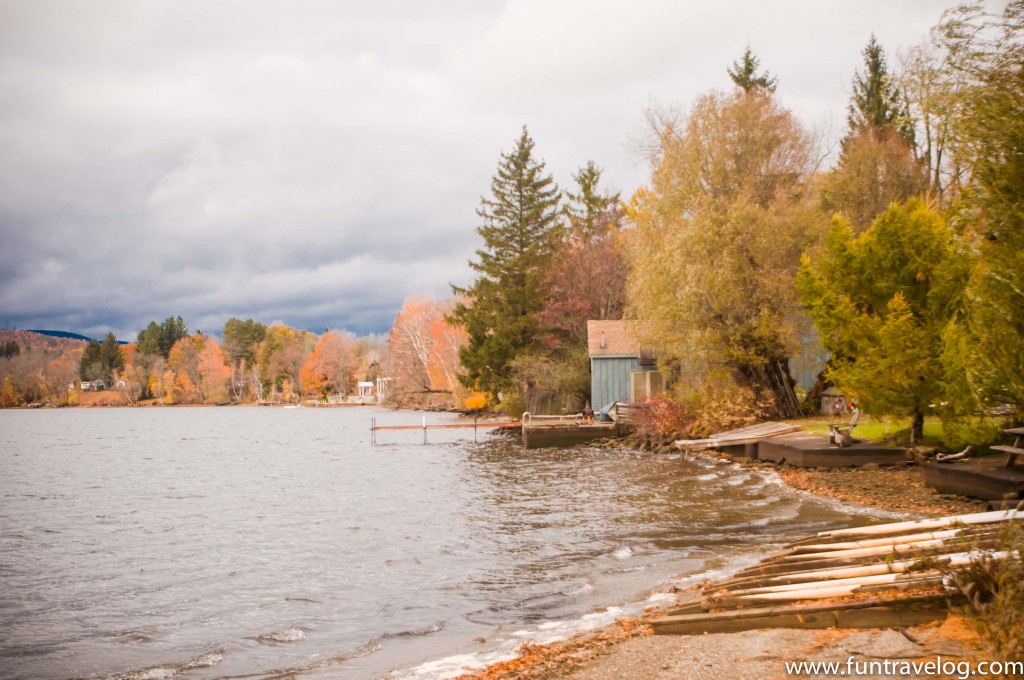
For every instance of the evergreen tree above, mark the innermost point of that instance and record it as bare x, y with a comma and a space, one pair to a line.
882, 302
111, 356
744, 74
591, 213
241, 339
160, 338
876, 103
520, 231
171, 330
90, 358
100, 360
148, 340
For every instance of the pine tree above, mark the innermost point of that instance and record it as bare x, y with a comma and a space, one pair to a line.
99, 360
111, 357
744, 74
876, 103
90, 358
520, 231
591, 213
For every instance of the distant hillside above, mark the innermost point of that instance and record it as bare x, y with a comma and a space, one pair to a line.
43, 339
61, 334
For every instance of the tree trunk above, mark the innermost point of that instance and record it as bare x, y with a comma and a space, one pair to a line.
917, 428
774, 376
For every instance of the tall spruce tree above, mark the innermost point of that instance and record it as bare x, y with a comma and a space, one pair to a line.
521, 231
591, 213
876, 103
744, 74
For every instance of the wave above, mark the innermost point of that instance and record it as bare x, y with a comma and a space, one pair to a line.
169, 670
288, 635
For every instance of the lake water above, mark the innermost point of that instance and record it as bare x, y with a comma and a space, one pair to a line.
253, 542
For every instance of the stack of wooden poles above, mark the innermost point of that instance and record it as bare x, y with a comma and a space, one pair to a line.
881, 575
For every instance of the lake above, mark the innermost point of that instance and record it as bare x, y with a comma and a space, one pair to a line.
250, 542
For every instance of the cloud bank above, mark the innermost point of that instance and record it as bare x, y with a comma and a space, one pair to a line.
319, 162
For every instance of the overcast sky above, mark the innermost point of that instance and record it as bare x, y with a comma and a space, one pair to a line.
317, 162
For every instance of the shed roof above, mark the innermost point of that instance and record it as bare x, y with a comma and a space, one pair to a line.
611, 338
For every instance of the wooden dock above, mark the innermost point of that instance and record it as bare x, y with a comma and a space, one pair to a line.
992, 478
476, 426
544, 431
815, 450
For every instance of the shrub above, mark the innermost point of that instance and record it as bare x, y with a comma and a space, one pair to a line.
993, 585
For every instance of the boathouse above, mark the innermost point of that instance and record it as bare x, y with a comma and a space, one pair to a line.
619, 369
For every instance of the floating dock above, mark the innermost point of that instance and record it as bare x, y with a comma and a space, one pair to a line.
815, 450
987, 478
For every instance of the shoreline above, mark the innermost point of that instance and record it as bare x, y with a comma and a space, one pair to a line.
628, 647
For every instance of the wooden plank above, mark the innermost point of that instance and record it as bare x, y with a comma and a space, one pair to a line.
743, 435
823, 593
874, 542
926, 524
1011, 451
873, 613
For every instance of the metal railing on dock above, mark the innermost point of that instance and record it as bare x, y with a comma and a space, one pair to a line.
475, 425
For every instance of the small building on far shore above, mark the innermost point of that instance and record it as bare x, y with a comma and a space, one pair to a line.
620, 370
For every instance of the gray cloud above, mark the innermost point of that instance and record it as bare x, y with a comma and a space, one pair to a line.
318, 162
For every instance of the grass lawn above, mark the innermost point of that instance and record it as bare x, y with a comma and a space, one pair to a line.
888, 430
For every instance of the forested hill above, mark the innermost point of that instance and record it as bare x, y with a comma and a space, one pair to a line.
49, 339
61, 334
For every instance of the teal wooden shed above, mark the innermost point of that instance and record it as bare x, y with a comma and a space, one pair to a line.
619, 370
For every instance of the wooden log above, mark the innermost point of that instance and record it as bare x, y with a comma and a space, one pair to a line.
873, 569
878, 613
780, 568
731, 601
928, 524
874, 542
855, 581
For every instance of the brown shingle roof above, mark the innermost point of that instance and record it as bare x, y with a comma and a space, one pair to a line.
611, 338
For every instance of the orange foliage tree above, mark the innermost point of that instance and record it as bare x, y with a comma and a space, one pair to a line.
330, 366
423, 348
200, 370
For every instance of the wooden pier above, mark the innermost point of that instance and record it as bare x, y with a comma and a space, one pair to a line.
476, 425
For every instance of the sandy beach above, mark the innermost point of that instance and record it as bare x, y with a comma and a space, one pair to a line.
630, 650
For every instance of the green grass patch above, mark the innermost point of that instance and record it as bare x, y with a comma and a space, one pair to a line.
896, 431
887, 430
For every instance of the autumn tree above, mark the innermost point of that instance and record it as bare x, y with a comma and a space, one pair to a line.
718, 238
985, 56
882, 302
744, 74
282, 355
587, 279
520, 231
878, 164
9, 348
927, 89
330, 367
423, 351
200, 368
241, 344
876, 168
